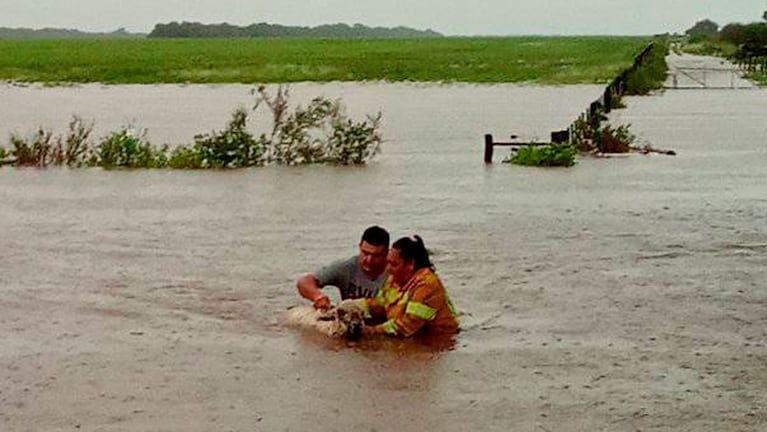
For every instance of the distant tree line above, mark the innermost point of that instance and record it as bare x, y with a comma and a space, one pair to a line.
751, 39
265, 30
56, 33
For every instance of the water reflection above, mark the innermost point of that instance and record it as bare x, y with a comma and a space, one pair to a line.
399, 382
430, 345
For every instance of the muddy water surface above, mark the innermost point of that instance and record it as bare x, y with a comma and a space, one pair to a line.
624, 293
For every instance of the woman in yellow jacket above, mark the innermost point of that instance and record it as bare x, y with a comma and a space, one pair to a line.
413, 298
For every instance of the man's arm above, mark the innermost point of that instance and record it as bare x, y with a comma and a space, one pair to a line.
310, 289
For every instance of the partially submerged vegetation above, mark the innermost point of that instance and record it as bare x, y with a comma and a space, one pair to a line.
650, 74
318, 133
535, 59
592, 133
550, 155
595, 135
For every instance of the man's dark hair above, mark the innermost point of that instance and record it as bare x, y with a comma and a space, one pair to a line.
376, 236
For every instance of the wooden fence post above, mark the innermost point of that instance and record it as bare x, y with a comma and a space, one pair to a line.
488, 149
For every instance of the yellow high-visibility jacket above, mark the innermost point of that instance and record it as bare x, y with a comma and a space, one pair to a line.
422, 304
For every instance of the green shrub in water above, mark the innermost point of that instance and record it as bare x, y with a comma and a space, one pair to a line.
582, 135
546, 155
298, 137
616, 139
651, 74
128, 148
234, 147
43, 148
184, 158
33, 152
597, 135
73, 150
318, 133
353, 143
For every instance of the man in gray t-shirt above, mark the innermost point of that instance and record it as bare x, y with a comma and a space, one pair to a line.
350, 279
356, 277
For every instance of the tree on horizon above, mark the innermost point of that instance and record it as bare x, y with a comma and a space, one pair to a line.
704, 27
265, 30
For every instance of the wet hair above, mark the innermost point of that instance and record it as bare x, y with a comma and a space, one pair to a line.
412, 248
376, 236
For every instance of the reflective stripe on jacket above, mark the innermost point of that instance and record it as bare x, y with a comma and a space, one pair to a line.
422, 303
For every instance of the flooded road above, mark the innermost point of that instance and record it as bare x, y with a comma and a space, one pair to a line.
687, 71
621, 294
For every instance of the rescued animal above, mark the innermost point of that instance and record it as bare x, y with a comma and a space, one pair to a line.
345, 320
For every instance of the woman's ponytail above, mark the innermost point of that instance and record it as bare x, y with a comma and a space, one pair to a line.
415, 250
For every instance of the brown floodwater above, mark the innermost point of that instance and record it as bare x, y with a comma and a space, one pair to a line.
152, 300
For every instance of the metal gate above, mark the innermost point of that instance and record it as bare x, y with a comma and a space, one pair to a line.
706, 77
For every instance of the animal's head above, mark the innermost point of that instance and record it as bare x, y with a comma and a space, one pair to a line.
353, 320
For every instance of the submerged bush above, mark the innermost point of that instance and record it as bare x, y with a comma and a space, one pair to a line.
353, 143
33, 151
616, 139
596, 135
184, 158
298, 137
73, 150
234, 147
318, 133
651, 74
582, 135
544, 155
128, 148
616, 102
43, 148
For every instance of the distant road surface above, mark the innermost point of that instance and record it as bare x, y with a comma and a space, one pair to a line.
692, 71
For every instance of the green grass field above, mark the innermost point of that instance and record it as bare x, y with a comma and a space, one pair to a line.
541, 60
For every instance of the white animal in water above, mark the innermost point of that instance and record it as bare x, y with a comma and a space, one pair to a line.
345, 320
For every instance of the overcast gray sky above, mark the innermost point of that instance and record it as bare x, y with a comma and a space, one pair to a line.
450, 17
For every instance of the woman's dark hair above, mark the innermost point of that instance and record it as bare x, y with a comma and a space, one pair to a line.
413, 249
376, 236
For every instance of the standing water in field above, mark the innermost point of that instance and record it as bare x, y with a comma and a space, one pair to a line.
625, 291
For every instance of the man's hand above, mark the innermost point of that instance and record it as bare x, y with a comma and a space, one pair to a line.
322, 302
310, 289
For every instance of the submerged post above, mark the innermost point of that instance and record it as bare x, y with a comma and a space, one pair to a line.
560, 136
488, 149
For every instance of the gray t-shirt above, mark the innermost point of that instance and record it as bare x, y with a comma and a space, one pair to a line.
349, 278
